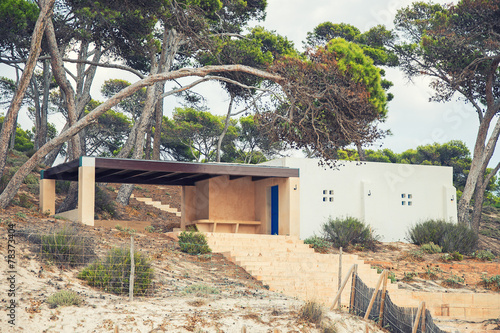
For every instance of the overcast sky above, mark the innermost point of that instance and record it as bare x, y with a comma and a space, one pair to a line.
412, 119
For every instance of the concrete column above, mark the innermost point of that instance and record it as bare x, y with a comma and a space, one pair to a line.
86, 190
47, 195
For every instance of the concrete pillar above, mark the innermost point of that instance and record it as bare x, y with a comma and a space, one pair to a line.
86, 190
47, 195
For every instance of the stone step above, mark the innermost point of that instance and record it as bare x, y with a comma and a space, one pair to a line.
158, 204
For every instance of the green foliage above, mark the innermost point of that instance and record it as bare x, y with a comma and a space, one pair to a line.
66, 246
193, 243
433, 273
454, 256
62, 186
348, 231
126, 230
484, 255
112, 274
454, 281
352, 60
492, 283
149, 228
312, 312
410, 276
64, 298
201, 290
431, 248
25, 201
449, 236
317, 243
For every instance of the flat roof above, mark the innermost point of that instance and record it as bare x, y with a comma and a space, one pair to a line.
147, 172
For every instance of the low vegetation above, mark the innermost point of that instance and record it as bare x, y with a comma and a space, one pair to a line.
201, 290
112, 274
484, 255
342, 232
64, 298
193, 243
318, 244
492, 283
431, 248
65, 246
450, 237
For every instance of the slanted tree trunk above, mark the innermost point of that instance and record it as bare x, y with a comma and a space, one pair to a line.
11, 117
15, 182
226, 126
158, 125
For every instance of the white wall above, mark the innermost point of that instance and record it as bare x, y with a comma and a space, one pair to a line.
373, 192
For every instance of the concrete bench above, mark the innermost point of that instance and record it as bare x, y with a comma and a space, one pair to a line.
211, 225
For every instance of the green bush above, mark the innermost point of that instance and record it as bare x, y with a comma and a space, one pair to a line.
348, 231
317, 243
484, 255
62, 186
450, 237
64, 298
65, 246
112, 274
454, 256
431, 248
193, 243
492, 283
453, 281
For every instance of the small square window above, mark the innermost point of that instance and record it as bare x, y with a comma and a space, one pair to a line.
325, 191
331, 199
324, 199
409, 196
409, 203
331, 192
403, 195
403, 203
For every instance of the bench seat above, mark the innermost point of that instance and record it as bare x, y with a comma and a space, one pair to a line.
212, 224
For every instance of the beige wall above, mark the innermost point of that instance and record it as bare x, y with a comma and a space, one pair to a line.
48, 196
231, 199
242, 199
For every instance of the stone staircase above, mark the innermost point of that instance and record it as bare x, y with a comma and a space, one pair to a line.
157, 204
287, 265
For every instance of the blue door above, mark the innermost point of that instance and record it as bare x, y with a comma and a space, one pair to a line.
274, 211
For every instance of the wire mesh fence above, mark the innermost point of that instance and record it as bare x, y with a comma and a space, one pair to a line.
394, 318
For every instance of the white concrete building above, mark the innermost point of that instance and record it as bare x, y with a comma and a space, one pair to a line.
389, 197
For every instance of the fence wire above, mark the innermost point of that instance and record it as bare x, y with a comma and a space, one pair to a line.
394, 318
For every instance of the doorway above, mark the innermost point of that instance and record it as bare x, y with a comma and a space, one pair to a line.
274, 210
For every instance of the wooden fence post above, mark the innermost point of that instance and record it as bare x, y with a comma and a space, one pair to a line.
382, 301
370, 306
342, 286
417, 317
423, 318
132, 270
340, 273
353, 288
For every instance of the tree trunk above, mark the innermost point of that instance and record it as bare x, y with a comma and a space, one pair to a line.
62, 81
226, 126
480, 160
45, 103
158, 124
15, 105
15, 182
361, 152
71, 200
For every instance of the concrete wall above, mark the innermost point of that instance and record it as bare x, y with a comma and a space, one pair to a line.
389, 197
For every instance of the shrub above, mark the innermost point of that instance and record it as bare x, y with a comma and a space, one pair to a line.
149, 228
450, 237
112, 273
317, 243
431, 248
484, 255
492, 283
64, 246
453, 281
348, 231
454, 256
62, 186
409, 276
312, 312
193, 243
64, 298
200, 290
